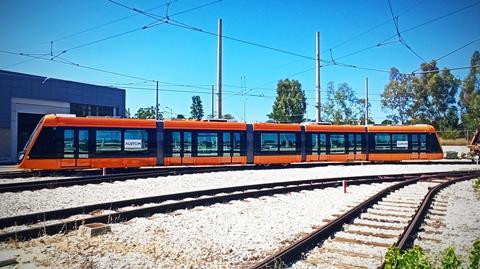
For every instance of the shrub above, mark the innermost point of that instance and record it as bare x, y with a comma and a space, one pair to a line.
413, 258
476, 185
475, 254
450, 259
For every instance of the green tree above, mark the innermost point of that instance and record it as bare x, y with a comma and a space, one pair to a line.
342, 106
434, 95
180, 116
228, 117
290, 104
196, 109
427, 98
398, 97
470, 95
147, 113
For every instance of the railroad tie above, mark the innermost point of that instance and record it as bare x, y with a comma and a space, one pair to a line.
374, 234
360, 242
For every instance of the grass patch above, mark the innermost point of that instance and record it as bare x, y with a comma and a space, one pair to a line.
453, 142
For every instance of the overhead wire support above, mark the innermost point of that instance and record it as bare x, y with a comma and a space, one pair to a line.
106, 24
400, 37
387, 40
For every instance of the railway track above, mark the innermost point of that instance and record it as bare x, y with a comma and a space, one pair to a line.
55, 221
148, 172
360, 237
97, 172
97, 179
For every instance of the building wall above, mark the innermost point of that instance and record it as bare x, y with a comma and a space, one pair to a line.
34, 94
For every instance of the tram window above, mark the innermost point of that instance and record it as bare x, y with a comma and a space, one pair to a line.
237, 147
187, 144
176, 144
323, 143
358, 143
226, 144
314, 144
337, 143
207, 144
46, 144
382, 142
269, 142
434, 145
136, 141
287, 142
415, 145
400, 142
108, 141
423, 142
351, 143
68, 147
83, 143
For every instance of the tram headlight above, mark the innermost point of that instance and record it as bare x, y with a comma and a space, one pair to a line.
20, 156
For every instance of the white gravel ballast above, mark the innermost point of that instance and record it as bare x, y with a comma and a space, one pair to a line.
231, 235
48, 199
457, 225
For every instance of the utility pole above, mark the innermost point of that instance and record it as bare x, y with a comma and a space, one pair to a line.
219, 69
317, 79
244, 92
156, 104
213, 101
366, 100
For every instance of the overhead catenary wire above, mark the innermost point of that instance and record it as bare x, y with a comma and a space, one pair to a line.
107, 23
170, 21
346, 65
387, 40
373, 27
131, 30
399, 35
162, 20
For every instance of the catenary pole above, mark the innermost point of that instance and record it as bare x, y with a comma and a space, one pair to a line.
317, 78
156, 104
213, 101
219, 70
366, 100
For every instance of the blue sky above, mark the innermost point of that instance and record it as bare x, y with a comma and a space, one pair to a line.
184, 61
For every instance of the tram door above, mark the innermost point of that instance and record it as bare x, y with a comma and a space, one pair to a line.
75, 148
354, 147
82, 141
419, 146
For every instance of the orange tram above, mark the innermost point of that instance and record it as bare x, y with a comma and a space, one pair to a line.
69, 142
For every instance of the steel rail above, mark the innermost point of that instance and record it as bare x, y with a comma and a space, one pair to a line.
67, 182
93, 172
296, 250
247, 191
96, 179
410, 233
408, 236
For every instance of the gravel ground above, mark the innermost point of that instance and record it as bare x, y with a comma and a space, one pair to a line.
231, 235
460, 225
27, 179
49, 199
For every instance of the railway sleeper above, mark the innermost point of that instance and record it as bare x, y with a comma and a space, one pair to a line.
373, 234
